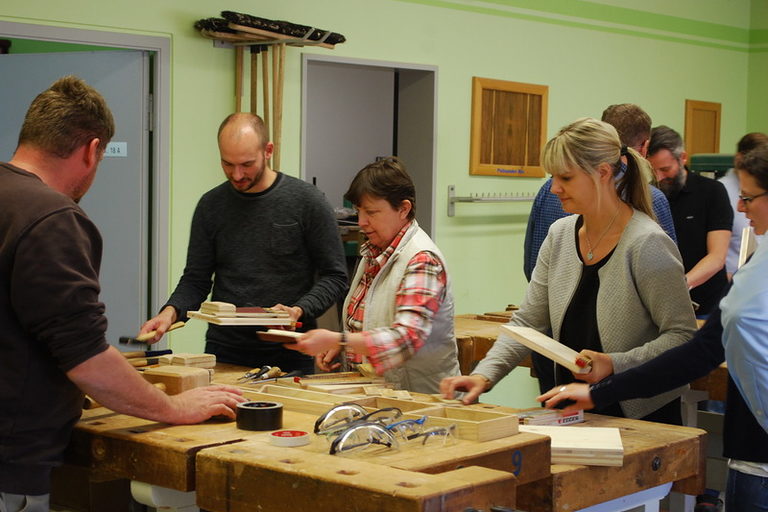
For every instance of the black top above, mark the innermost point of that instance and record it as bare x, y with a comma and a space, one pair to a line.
743, 437
281, 245
51, 321
579, 329
700, 207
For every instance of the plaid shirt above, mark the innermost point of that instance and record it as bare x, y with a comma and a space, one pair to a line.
416, 304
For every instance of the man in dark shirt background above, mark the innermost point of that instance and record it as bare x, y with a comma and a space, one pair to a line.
52, 345
702, 214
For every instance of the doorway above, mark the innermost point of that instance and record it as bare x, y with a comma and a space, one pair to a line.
151, 205
354, 110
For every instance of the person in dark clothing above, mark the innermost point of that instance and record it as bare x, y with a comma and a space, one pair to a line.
261, 239
52, 347
737, 332
702, 215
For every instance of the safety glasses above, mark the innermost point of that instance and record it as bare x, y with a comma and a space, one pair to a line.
361, 436
343, 416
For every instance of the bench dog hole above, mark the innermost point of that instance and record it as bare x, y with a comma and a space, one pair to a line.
406, 484
347, 472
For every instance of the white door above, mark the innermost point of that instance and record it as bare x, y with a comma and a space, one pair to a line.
118, 201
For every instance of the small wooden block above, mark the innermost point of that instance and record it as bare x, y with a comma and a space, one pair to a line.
214, 307
178, 378
186, 359
588, 446
546, 346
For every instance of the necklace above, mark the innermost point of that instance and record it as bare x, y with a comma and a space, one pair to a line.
590, 254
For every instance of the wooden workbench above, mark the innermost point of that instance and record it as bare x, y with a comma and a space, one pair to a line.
224, 465
475, 335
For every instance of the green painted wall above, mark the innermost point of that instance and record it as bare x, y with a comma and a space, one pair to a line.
757, 99
32, 46
590, 54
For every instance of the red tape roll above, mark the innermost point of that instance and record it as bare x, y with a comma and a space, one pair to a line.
289, 438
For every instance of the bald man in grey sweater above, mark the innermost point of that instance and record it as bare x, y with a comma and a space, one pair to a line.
261, 239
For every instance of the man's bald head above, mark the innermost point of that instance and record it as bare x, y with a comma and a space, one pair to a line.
237, 124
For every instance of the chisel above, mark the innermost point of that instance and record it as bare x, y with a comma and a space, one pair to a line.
142, 338
146, 353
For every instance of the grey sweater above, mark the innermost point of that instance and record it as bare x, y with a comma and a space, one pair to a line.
643, 307
277, 246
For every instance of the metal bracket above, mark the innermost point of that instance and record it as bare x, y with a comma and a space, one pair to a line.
483, 198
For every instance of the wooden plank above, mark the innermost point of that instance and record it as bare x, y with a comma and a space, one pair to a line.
546, 346
219, 320
307, 481
748, 245
590, 446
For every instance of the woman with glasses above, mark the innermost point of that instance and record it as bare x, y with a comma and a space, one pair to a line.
737, 332
608, 282
399, 309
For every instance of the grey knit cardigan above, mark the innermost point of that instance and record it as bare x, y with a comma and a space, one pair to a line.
643, 306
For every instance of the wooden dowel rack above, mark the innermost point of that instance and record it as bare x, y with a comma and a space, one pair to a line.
483, 198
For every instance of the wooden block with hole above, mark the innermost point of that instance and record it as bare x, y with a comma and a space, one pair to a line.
546, 346
300, 480
178, 378
471, 424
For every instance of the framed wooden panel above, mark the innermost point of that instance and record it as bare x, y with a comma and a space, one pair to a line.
509, 126
702, 127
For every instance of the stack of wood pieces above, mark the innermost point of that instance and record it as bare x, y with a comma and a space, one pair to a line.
224, 313
588, 446
541, 416
186, 359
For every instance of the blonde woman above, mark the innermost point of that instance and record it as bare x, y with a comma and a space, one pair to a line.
608, 281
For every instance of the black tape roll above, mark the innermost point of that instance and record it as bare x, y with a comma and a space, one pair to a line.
260, 415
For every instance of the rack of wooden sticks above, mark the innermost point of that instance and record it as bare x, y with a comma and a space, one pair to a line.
262, 37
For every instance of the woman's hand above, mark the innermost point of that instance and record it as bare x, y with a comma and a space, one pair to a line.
316, 341
602, 367
473, 385
578, 393
325, 361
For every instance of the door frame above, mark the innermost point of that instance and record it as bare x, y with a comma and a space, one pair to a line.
309, 57
159, 136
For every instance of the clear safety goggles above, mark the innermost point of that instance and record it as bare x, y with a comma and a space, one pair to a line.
363, 436
343, 416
